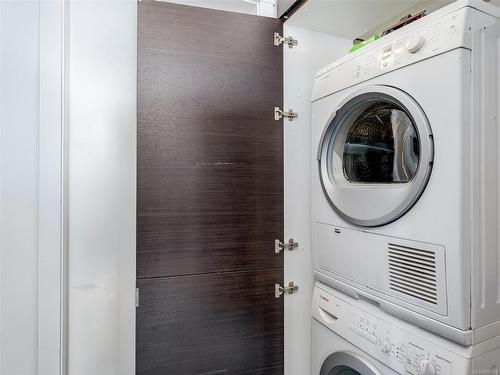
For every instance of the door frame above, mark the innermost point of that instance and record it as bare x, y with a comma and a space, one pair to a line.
52, 197
52, 295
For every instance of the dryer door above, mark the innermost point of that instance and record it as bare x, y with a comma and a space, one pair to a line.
375, 156
347, 363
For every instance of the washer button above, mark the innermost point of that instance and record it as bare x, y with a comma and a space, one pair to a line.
386, 347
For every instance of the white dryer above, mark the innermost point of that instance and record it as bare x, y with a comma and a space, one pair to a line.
405, 181
353, 337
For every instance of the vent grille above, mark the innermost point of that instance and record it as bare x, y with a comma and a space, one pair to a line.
412, 272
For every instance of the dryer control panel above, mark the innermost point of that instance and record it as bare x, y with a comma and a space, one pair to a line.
407, 349
418, 41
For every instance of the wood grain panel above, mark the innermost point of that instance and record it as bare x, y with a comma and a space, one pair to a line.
210, 192
229, 209
226, 323
212, 242
210, 155
192, 85
208, 63
217, 158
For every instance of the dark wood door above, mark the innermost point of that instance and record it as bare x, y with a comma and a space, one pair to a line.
210, 192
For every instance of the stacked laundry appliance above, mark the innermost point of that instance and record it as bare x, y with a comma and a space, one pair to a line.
405, 199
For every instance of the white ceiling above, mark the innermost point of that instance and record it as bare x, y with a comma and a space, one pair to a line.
354, 18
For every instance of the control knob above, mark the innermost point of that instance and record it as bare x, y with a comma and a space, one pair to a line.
425, 367
414, 43
386, 347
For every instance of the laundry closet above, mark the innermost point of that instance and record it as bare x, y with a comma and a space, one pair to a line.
224, 172
225, 206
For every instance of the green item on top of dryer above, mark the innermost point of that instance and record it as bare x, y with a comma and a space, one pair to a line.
355, 47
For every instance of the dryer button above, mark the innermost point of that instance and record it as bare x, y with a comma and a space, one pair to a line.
414, 43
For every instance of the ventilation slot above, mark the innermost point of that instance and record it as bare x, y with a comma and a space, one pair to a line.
413, 272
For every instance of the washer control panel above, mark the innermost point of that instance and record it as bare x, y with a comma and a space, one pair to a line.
394, 346
406, 349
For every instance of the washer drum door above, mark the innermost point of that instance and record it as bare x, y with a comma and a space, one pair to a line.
346, 363
375, 156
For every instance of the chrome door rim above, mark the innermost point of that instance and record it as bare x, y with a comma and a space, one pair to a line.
409, 192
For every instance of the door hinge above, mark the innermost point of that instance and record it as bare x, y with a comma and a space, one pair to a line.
290, 245
290, 289
136, 297
279, 114
278, 40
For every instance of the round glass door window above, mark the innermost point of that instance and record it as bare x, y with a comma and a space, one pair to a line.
343, 371
375, 156
347, 363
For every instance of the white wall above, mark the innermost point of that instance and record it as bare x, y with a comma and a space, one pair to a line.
314, 51
41, 68
101, 187
19, 182
428, 5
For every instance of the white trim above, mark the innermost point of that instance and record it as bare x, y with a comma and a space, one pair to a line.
51, 157
64, 187
265, 8
1, 184
268, 8
19, 225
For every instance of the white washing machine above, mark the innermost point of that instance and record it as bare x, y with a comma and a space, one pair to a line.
353, 337
405, 182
